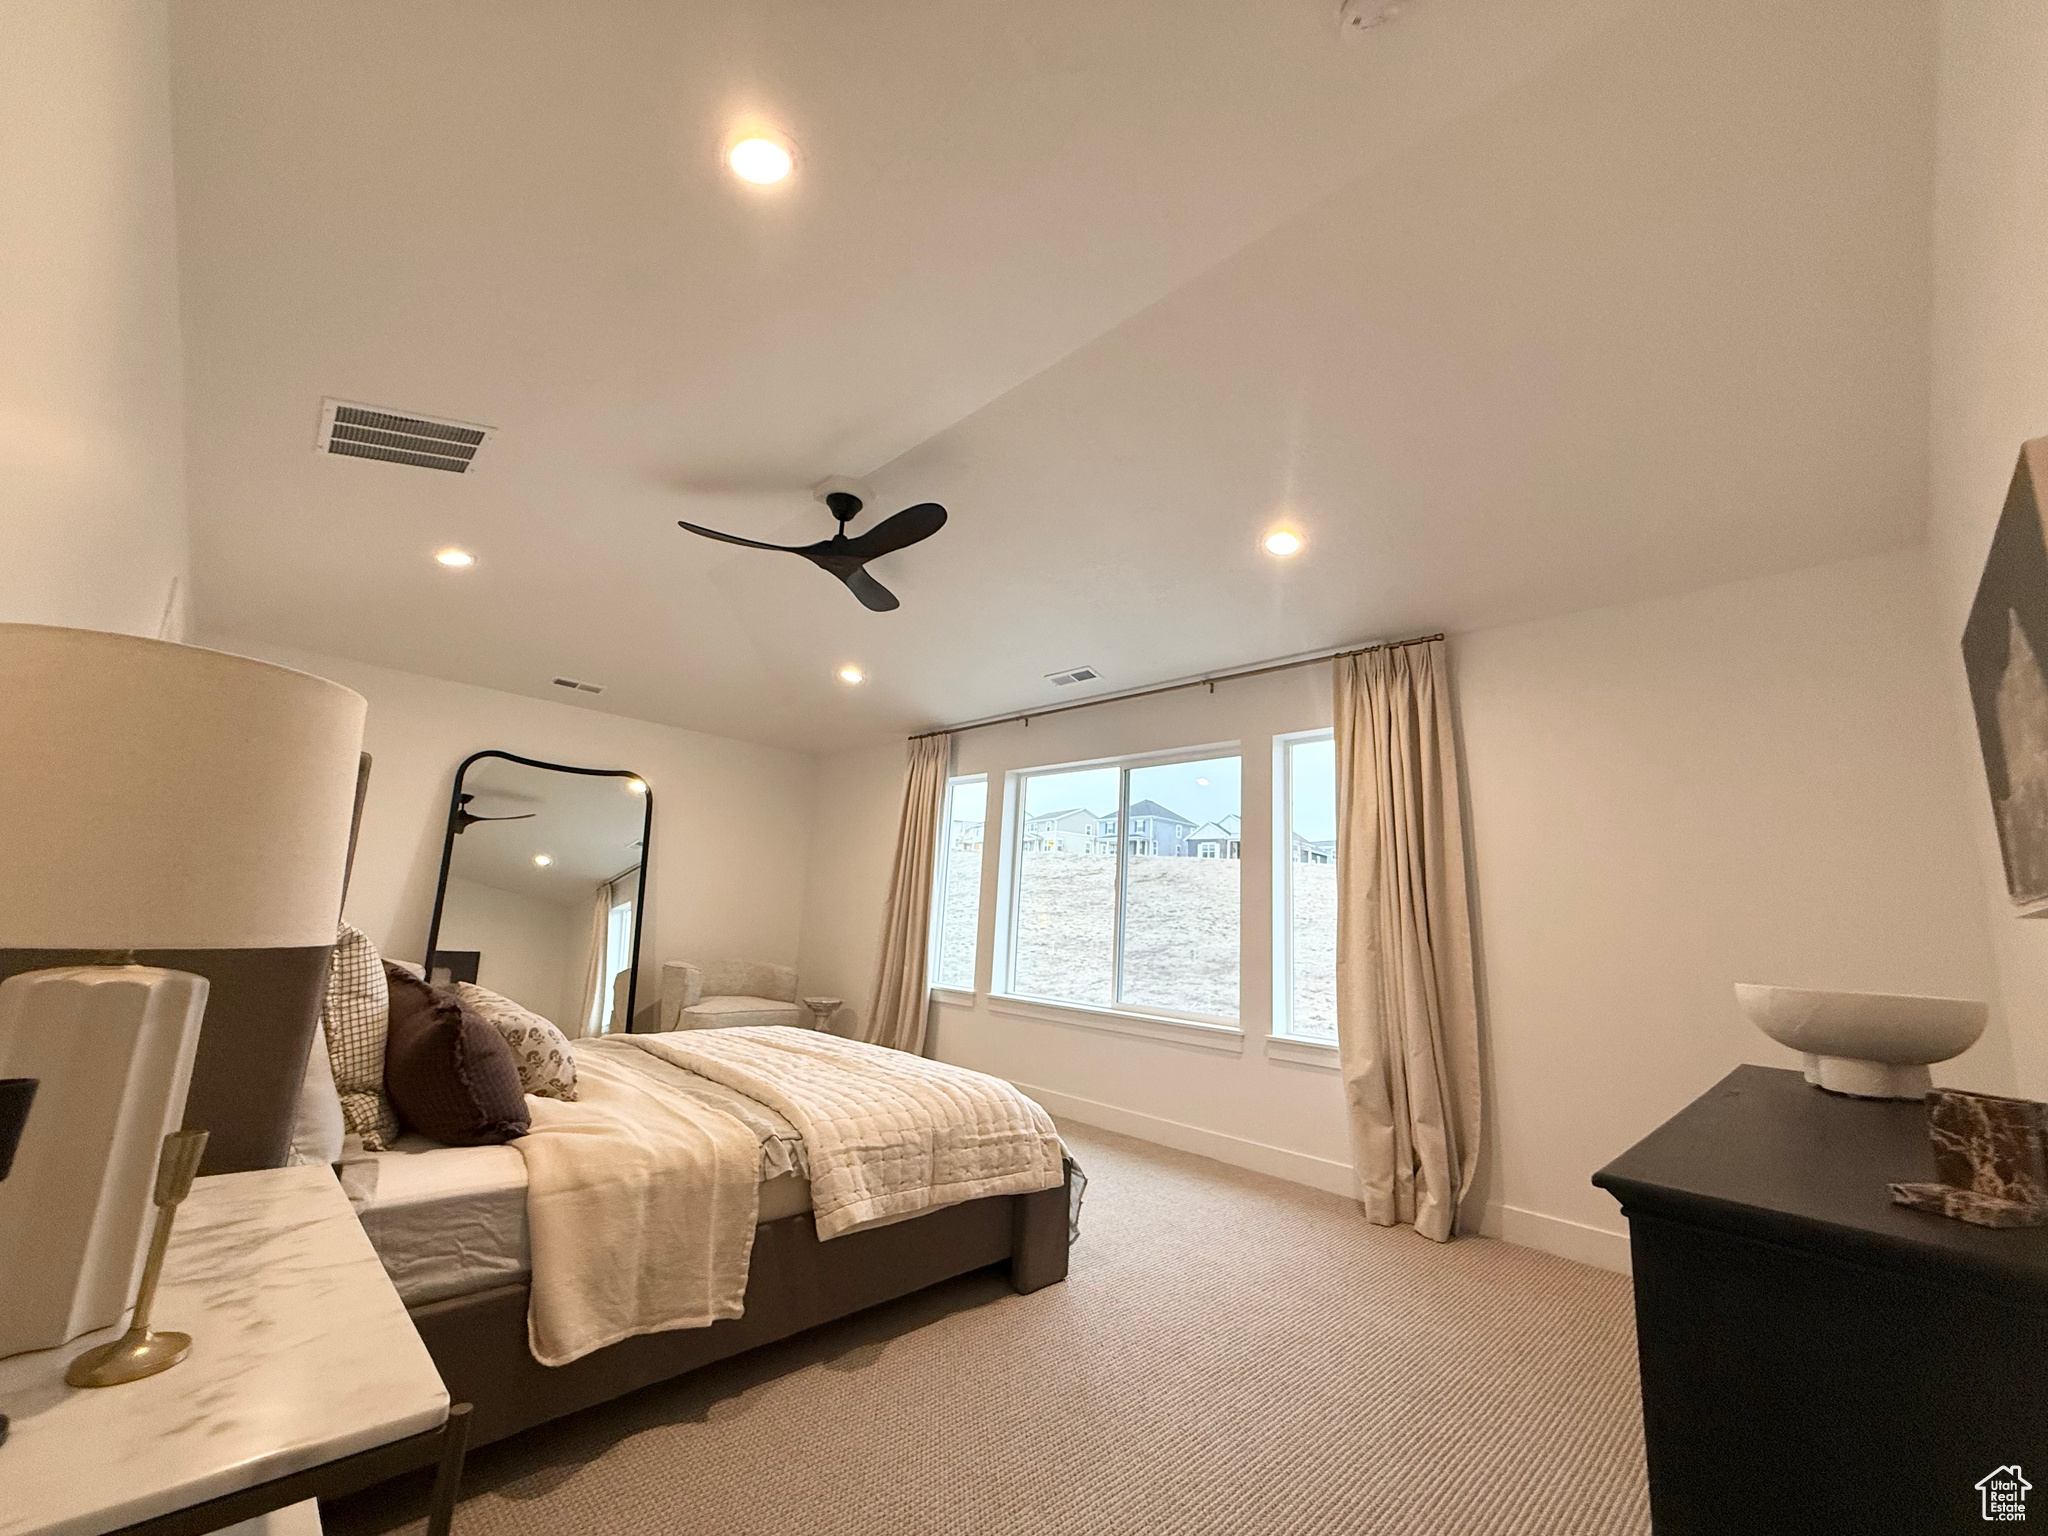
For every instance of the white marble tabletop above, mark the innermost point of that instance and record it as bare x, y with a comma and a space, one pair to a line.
301, 1354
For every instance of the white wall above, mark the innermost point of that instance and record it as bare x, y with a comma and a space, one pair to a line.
1752, 782
732, 820
92, 463
1990, 390
527, 947
1755, 782
858, 796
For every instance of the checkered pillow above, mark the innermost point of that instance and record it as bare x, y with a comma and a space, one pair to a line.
357, 1016
546, 1067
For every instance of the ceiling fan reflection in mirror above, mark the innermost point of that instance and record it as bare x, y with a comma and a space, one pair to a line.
465, 818
847, 558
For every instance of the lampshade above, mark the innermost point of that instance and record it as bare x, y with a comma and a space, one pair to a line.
165, 797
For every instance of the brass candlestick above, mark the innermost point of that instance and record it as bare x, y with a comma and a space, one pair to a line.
141, 1351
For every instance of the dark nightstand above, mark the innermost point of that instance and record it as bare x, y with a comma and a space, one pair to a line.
1814, 1358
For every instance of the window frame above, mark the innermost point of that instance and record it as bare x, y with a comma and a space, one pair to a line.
935, 929
1280, 1027
1003, 979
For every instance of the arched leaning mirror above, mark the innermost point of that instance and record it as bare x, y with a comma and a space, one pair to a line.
543, 879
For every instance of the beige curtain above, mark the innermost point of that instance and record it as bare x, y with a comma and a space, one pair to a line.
593, 965
1407, 1015
897, 1006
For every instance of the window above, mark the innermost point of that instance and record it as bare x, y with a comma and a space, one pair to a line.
1065, 909
956, 901
618, 954
1307, 968
1145, 920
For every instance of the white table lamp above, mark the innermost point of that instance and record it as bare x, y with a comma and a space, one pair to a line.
170, 804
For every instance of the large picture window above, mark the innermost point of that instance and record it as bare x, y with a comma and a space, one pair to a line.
956, 900
1126, 889
1307, 958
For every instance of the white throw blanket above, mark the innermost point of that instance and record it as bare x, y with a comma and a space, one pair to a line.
640, 1205
888, 1134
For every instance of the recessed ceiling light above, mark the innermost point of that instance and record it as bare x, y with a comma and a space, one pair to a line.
455, 559
1283, 542
543, 859
761, 161
852, 675
1202, 783
638, 786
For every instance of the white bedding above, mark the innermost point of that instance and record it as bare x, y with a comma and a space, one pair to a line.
644, 1194
447, 1221
887, 1134
451, 1221
640, 1207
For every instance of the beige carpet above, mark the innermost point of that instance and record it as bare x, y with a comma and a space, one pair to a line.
1233, 1354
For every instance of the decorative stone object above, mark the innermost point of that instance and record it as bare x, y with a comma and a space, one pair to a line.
1869, 1045
1991, 1155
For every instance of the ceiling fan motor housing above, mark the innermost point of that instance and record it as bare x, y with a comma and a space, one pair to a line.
845, 497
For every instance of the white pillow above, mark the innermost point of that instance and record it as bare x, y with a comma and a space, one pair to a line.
317, 1125
547, 1068
357, 1017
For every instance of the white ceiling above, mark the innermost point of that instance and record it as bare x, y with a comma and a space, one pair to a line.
1516, 307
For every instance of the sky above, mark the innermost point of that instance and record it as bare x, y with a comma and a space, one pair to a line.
1201, 791
1312, 785
970, 802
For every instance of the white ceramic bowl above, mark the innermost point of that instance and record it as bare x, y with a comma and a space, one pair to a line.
1874, 1045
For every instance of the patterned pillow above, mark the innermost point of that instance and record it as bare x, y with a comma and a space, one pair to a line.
357, 1016
547, 1068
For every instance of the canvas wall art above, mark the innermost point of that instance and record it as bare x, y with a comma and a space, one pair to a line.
2005, 646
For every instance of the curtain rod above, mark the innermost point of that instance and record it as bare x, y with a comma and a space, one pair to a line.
1208, 679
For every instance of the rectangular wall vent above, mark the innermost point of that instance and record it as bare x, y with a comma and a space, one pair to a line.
571, 683
426, 442
1068, 679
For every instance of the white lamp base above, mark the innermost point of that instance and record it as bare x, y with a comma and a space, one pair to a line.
112, 1047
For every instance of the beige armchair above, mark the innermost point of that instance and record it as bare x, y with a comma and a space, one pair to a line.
723, 994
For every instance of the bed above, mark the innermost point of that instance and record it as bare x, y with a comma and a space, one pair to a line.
451, 1225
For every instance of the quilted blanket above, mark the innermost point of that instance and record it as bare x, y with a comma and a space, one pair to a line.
640, 1206
888, 1134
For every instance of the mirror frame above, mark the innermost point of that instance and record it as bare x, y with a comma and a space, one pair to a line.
639, 896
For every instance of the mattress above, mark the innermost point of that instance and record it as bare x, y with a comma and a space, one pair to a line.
449, 1221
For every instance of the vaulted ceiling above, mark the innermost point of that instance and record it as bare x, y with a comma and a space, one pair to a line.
1512, 307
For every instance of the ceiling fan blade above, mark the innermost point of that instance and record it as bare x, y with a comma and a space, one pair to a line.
894, 533
733, 538
466, 818
872, 593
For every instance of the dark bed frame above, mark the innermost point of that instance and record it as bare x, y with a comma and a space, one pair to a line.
794, 1282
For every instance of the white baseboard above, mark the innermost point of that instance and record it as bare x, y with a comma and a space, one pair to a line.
1511, 1224
1555, 1234
1240, 1152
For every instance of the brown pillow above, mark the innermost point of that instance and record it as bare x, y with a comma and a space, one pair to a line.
449, 1074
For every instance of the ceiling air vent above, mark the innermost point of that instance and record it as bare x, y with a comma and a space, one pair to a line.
1068, 679
576, 687
366, 432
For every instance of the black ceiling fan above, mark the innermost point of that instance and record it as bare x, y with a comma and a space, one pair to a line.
465, 818
848, 558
